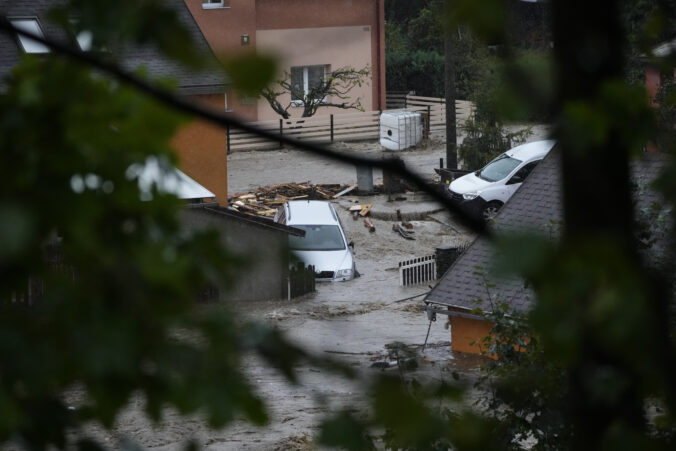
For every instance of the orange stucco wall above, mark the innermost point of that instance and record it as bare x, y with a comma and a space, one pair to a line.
224, 27
202, 150
466, 334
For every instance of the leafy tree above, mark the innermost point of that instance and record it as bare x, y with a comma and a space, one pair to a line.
330, 91
521, 389
126, 323
111, 274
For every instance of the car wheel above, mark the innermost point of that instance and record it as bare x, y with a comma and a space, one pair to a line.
490, 210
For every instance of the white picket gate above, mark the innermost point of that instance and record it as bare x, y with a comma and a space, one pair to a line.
418, 270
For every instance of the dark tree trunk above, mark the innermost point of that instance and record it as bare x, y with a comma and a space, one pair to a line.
589, 46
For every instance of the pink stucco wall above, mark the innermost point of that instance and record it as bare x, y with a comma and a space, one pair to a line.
333, 46
224, 27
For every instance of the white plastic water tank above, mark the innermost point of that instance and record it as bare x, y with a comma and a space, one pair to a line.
400, 129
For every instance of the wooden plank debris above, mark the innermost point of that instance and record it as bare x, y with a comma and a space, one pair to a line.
369, 225
345, 191
408, 234
365, 209
266, 199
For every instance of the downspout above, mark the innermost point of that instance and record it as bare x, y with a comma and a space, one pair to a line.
380, 6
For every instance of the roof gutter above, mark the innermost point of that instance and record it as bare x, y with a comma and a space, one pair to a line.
460, 312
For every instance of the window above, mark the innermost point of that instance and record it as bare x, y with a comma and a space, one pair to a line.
305, 78
212, 4
31, 26
317, 238
498, 169
522, 173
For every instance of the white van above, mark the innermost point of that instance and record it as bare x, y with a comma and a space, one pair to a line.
325, 245
483, 192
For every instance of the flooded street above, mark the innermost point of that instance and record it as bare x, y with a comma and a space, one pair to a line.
351, 321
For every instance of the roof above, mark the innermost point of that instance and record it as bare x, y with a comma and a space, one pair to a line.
314, 212
530, 150
131, 57
253, 220
173, 181
537, 207
664, 49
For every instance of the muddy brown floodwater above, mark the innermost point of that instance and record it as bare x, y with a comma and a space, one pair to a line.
352, 321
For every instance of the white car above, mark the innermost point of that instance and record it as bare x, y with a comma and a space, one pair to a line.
325, 245
483, 192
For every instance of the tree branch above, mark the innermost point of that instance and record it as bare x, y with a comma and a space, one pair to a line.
179, 104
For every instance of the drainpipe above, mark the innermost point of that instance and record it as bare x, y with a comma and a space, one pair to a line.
380, 7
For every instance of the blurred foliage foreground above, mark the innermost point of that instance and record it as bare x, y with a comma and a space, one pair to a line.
116, 315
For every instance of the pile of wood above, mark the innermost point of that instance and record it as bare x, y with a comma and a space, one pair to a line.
266, 200
363, 211
403, 228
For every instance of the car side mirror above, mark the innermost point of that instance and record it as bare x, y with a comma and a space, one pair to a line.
351, 244
515, 179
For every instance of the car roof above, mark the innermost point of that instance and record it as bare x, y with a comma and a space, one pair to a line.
532, 150
314, 212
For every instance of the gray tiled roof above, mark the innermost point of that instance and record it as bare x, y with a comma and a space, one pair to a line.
131, 57
471, 281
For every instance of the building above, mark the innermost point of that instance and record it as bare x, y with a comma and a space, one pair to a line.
310, 38
261, 244
471, 282
201, 146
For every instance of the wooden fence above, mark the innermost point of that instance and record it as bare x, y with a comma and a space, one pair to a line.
395, 100
300, 281
436, 109
344, 127
417, 270
318, 129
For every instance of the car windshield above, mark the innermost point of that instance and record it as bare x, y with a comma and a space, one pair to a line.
318, 238
499, 168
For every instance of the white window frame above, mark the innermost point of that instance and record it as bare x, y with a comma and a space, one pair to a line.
213, 4
28, 45
306, 81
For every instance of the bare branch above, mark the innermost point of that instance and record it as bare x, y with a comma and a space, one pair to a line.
223, 120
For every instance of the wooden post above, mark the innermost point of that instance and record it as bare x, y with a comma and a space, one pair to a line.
281, 132
332, 128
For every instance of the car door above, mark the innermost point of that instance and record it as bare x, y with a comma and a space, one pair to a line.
519, 176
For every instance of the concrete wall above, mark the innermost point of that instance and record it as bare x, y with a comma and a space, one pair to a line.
202, 150
263, 248
465, 331
224, 27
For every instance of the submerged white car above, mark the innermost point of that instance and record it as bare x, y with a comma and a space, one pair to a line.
325, 245
483, 192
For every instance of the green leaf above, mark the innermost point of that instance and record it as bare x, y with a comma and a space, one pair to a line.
250, 72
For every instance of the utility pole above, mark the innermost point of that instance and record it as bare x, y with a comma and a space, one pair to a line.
449, 85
